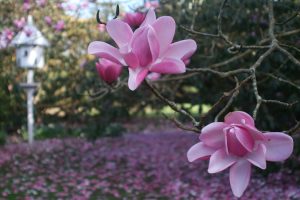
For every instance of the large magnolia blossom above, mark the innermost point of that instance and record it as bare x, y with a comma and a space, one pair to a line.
148, 49
237, 144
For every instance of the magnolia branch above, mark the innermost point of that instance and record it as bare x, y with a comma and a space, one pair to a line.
274, 45
283, 80
172, 104
230, 101
231, 94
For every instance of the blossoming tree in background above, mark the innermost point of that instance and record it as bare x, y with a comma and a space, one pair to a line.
145, 46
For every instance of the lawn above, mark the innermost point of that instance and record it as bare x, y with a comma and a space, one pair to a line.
139, 166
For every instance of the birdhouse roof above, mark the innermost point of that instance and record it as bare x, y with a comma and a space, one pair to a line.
30, 35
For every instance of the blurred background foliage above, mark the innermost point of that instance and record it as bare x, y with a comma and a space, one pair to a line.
63, 103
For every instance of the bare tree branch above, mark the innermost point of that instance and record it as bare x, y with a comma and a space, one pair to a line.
172, 104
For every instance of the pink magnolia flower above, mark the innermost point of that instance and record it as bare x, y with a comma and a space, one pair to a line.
134, 19
26, 6
41, 3
5, 37
60, 25
148, 49
9, 34
108, 71
20, 23
48, 20
237, 144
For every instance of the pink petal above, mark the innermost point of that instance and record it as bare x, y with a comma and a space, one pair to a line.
239, 177
183, 49
108, 71
136, 77
258, 157
150, 18
153, 44
245, 138
165, 28
279, 146
212, 134
153, 76
134, 19
219, 161
239, 117
199, 150
168, 66
232, 144
256, 134
120, 32
141, 47
131, 59
104, 50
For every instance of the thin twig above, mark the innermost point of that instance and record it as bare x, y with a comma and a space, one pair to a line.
230, 101
289, 55
183, 127
172, 104
288, 19
221, 74
282, 80
271, 20
289, 105
222, 99
294, 128
291, 47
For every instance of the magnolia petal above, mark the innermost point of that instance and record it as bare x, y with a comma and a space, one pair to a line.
232, 144
108, 71
279, 146
168, 66
245, 138
119, 31
150, 18
141, 47
104, 50
131, 60
112, 74
136, 77
165, 27
239, 117
256, 134
219, 161
212, 134
199, 150
239, 177
258, 157
183, 49
153, 44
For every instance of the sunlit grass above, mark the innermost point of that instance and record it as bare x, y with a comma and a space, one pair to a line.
168, 111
